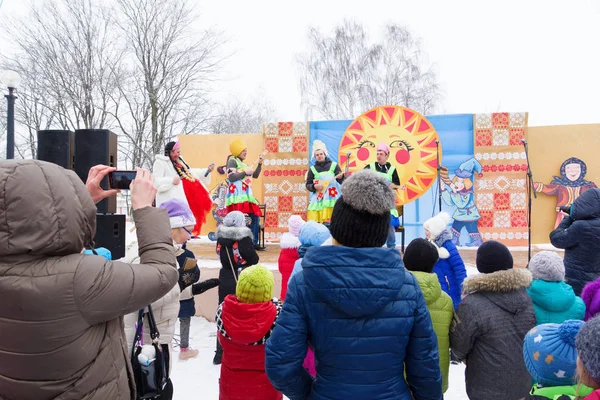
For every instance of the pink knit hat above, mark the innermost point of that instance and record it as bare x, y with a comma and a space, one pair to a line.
177, 145
295, 222
383, 147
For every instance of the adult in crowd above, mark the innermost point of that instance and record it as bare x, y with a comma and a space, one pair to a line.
240, 196
553, 300
61, 314
490, 324
323, 181
176, 180
384, 167
360, 311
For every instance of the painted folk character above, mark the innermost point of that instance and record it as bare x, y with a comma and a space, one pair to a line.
462, 196
323, 181
240, 196
391, 174
174, 179
568, 186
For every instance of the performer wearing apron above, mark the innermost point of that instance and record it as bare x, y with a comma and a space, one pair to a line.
389, 171
323, 181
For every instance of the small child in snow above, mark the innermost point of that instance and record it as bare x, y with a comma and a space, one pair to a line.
245, 322
553, 299
289, 244
551, 359
450, 268
588, 356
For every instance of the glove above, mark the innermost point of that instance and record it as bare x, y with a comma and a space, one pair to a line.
203, 286
189, 277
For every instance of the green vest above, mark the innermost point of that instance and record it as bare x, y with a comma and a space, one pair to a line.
388, 175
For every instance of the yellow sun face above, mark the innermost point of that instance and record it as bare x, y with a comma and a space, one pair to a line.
411, 139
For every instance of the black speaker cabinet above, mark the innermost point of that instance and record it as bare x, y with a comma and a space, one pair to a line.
93, 147
110, 233
57, 147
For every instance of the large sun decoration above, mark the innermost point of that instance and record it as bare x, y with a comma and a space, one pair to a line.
411, 139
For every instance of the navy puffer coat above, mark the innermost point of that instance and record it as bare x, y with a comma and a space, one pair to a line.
579, 235
366, 319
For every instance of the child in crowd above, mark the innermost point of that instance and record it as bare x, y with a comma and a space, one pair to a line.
591, 298
588, 356
554, 300
551, 358
311, 234
450, 267
490, 324
289, 244
245, 321
419, 258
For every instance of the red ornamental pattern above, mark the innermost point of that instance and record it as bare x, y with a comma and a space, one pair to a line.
285, 203
487, 219
518, 218
501, 201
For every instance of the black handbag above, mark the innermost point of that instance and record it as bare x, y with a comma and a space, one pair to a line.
152, 380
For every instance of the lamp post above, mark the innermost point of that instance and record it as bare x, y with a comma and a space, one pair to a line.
11, 79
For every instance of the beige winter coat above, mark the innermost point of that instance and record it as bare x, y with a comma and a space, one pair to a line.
61, 325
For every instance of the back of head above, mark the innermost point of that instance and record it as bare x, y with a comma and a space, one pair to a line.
547, 266
493, 256
45, 210
313, 234
255, 285
437, 224
587, 205
420, 255
549, 349
234, 219
588, 348
361, 216
295, 223
179, 213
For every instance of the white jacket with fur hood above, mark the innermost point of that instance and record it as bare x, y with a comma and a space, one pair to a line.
164, 172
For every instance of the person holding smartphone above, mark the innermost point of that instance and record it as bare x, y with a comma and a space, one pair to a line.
176, 180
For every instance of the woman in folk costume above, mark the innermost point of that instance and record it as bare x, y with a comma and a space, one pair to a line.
174, 179
462, 196
323, 181
240, 196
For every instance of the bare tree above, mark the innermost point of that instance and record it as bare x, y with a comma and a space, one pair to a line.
169, 74
239, 116
346, 74
70, 47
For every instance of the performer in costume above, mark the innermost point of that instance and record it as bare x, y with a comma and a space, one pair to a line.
462, 196
174, 179
568, 186
323, 181
389, 171
240, 196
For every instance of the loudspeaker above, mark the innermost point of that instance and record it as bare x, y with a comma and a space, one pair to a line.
57, 147
110, 233
93, 147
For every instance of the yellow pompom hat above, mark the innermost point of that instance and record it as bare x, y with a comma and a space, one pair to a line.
236, 147
255, 285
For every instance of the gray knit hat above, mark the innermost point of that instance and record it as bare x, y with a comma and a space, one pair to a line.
547, 266
235, 219
588, 348
361, 216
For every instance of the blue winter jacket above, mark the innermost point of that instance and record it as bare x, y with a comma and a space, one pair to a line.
554, 302
451, 271
365, 319
579, 235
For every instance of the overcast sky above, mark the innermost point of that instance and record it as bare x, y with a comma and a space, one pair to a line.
540, 56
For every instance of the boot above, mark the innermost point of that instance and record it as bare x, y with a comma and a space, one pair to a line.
455, 237
186, 353
218, 354
475, 240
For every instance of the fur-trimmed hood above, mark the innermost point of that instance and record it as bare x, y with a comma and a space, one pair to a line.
498, 282
439, 242
289, 241
233, 233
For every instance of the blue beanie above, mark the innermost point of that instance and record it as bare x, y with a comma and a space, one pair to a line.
313, 234
550, 353
101, 251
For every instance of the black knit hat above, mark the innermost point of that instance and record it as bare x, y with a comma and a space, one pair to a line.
493, 256
361, 216
420, 255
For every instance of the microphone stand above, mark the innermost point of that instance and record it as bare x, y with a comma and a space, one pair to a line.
530, 190
439, 167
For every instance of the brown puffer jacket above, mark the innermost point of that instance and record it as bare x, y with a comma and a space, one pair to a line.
61, 325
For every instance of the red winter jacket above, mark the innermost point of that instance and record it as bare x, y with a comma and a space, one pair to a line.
287, 257
243, 331
595, 395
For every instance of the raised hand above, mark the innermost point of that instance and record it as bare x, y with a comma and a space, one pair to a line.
143, 190
95, 176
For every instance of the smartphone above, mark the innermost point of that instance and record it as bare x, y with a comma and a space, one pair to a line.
120, 179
